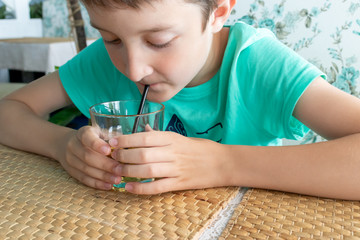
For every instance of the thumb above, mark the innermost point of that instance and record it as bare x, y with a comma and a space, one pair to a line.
148, 128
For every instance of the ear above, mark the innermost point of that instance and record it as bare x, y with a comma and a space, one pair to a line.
221, 14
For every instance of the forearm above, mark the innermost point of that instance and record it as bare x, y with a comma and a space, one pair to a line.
328, 169
22, 129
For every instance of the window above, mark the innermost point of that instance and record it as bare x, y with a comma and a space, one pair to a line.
35, 8
21, 18
7, 9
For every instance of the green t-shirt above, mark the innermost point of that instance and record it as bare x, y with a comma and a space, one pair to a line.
249, 101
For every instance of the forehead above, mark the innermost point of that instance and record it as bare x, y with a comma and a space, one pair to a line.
125, 3
162, 12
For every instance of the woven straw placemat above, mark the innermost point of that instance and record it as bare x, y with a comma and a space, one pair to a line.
264, 214
39, 200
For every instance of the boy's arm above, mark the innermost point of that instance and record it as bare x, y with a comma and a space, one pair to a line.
328, 169
328, 111
23, 122
82, 153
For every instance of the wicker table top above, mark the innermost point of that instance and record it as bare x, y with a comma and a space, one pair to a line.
38, 199
266, 214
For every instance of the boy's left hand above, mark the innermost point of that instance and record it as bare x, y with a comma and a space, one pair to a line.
179, 162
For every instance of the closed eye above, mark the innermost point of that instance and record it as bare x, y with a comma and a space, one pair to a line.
115, 41
160, 45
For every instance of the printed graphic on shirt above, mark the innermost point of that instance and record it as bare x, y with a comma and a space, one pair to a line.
175, 125
214, 133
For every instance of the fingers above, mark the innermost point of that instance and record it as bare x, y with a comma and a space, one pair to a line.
143, 139
150, 154
91, 177
92, 158
84, 162
90, 181
141, 155
148, 128
155, 187
155, 170
145, 162
95, 172
90, 137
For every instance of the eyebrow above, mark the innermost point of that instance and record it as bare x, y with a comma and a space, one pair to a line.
97, 27
154, 29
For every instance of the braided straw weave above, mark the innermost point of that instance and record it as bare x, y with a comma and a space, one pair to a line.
264, 214
39, 200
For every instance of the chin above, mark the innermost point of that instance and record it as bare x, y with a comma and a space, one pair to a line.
159, 97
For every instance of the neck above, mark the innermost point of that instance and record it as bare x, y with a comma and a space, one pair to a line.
214, 59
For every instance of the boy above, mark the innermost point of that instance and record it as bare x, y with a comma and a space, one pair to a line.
231, 94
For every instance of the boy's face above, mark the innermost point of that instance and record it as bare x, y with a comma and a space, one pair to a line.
163, 45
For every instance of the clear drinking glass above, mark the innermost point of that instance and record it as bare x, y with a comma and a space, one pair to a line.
120, 117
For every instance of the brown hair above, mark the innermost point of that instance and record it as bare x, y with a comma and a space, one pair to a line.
207, 6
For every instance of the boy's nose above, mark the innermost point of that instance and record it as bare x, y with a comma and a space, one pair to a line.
137, 67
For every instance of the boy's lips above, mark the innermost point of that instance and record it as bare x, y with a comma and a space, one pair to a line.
150, 84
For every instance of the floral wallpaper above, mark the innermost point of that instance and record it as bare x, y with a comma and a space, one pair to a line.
55, 20
325, 32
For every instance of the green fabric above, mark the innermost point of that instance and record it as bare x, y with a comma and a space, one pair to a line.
90, 78
249, 101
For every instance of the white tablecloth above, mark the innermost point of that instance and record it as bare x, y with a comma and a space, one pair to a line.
36, 54
6, 88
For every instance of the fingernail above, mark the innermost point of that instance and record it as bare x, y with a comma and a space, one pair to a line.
115, 179
108, 186
129, 187
117, 170
113, 142
113, 154
105, 149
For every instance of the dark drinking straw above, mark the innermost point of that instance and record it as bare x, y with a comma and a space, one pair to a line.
142, 102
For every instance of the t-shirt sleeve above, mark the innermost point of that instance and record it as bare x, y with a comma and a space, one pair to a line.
276, 79
90, 78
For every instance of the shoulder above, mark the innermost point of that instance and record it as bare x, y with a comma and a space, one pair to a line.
92, 57
96, 49
243, 35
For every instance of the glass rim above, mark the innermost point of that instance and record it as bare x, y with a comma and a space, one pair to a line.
118, 115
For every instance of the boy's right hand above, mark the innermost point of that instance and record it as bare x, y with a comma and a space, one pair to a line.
85, 157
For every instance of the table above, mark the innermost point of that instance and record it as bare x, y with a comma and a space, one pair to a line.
265, 214
36, 54
6, 88
38, 199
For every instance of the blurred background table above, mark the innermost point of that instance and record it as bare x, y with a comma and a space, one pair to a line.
30, 58
6, 88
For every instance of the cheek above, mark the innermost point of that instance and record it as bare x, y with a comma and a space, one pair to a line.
168, 66
189, 61
115, 58
182, 67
